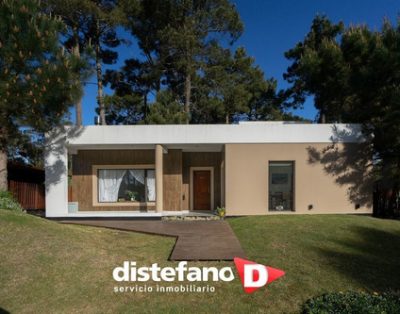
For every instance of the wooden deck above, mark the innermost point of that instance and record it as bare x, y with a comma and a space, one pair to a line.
196, 240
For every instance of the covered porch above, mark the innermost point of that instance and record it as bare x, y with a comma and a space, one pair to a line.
173, 163
159, 180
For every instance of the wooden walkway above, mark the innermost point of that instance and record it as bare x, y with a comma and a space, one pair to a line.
196, 240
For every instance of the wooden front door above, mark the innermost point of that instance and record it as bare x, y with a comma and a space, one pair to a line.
202, 190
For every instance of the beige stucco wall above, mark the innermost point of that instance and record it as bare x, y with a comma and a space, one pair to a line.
246, 184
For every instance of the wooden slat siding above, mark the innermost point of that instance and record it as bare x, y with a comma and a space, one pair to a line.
172, 184
204, 159
70, 194
175, 163
82, 163
29, 195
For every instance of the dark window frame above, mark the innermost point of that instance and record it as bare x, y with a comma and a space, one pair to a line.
293, 187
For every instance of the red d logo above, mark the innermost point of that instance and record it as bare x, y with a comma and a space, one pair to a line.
254, 276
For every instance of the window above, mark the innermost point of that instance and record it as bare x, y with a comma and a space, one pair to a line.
126, 185
281, 185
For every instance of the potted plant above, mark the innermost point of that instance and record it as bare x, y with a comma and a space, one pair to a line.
220, 212
131, 195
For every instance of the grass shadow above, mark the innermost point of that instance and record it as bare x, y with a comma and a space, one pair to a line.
371, 258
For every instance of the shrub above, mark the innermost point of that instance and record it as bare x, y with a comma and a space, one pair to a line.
353, 302
220, 211
7, 201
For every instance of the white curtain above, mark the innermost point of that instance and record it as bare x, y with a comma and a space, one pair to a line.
151, 186
138, 175
109, 183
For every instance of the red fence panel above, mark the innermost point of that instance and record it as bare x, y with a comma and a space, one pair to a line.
29, 195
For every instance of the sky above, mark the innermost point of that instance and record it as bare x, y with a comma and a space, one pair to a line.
271, 27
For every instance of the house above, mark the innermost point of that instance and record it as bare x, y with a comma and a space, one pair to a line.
250, 168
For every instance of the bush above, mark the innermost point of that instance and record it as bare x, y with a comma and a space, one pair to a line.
353, 302
220, 212
7, 201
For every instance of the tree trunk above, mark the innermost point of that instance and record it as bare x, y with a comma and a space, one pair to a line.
78, 111
322, 117
78, 104
188, 93
3, 170
227, 118
393, 208
100, 100
145, 106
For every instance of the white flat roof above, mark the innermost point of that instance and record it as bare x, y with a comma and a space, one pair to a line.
249, 132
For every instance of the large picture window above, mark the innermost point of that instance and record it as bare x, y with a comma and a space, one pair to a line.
281, 185
126, 185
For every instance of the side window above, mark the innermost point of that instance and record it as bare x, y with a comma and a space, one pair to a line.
281, 177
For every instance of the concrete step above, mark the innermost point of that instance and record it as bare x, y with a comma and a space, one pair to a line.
190, 217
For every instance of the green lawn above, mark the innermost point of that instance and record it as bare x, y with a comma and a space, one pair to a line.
49, 267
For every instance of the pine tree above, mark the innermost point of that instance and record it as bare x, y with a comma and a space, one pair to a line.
175, 36
232, 85
317, 68
165, 110
37, 80
105, 16
76, 16
90, 35
355, 78
131, 85
186, 46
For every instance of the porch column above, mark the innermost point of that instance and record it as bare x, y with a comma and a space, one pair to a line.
159, 178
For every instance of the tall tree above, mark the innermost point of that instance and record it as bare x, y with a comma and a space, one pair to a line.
101, 33
372, 97
356, 78
90, 34
127, 109
165, 110
76, 16
316, 68
233, 85
126, 105
175, 35
188, 62
132, 85
37, 80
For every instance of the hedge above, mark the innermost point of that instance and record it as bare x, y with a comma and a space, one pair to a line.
353, 303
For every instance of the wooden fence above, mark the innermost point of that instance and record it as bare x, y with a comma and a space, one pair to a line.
29, 195
386, 201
